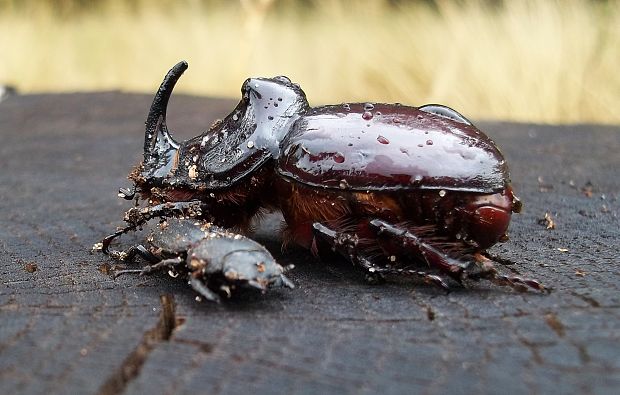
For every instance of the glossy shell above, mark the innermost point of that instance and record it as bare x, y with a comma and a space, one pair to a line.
390, 147
232, 148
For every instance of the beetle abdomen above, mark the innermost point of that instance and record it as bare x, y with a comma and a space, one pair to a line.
390, 147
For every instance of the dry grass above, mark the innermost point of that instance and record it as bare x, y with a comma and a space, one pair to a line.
542, 61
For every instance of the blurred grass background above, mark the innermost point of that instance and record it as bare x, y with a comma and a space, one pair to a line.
522, 60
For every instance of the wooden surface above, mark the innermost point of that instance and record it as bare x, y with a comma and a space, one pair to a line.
70, 328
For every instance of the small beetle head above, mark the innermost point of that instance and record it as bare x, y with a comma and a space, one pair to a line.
254, 268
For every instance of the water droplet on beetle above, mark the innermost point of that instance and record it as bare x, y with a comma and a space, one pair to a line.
250, 144
346, 106
367, 115
418, 178
382, 140
442, 193
368, 106
343, 185
338, 157
378, 113
275, 104
235, 117
429, 142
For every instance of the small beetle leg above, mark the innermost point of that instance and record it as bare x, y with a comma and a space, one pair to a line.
433, 256
129, 254
148, 269
203, 290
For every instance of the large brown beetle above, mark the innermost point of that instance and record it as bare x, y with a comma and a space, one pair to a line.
395, 189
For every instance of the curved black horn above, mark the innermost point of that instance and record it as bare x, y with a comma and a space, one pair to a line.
157, 134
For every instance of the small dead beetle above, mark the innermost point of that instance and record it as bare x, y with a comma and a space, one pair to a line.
213, 259
396, 190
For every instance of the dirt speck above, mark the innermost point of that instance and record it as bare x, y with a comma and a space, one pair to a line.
430, 313
31, 267
547, 221
105, 268
588, 189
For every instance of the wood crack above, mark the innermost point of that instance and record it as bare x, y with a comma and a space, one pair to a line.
118, 381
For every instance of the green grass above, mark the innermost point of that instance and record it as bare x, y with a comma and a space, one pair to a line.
523, 60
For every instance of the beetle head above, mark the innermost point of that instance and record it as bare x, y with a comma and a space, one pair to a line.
230, 149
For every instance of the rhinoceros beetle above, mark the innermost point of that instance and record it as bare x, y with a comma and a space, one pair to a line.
396, 190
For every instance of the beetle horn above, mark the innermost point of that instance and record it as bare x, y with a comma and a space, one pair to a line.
157, 139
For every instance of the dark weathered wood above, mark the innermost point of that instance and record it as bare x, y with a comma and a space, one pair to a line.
69, 328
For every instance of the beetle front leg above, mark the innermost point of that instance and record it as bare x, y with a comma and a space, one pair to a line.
138, 216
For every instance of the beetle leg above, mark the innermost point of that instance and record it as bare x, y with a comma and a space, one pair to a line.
346, 243
455, 268
199, 286
138, 216
433, 256
489, 272
518, 283
148, 269
129, 254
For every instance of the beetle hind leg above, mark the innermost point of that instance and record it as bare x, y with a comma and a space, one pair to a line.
490, 273
457, 269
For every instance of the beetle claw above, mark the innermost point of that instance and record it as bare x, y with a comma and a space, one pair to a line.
286, 282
